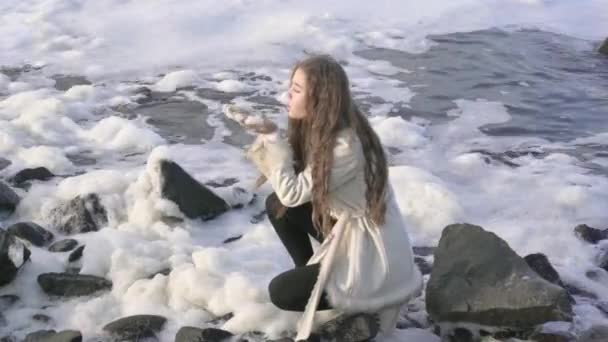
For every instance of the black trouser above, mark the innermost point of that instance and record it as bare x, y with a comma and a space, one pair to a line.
290, 290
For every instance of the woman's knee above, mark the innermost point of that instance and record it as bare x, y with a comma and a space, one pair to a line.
272, 204
279, 295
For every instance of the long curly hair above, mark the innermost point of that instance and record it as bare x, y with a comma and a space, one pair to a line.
330, 109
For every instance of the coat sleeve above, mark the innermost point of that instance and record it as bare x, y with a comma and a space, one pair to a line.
293, 190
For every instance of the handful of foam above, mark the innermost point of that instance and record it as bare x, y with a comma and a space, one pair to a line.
254, 123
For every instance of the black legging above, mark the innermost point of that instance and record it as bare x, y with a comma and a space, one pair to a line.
290, 290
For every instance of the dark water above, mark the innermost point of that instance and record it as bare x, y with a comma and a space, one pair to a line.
556, 86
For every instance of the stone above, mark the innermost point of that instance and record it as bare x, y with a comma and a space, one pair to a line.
597, 333
192, 198
38, 173
8, 198
541, 265
76, 254
350, 328
31, 232
192, 334
65, 245
135, 327
13, 255
423, 265
80, 215
232, 239
478, 278
52, 336
65, 82
590, 234
70, 285
604, 47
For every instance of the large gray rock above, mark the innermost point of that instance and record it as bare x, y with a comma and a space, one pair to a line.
604, 47
192, 198
31, 232
63, 245
13, 254
52, 336
8, 198
68, 285
590, 234
80, 215
478, 278
136, 327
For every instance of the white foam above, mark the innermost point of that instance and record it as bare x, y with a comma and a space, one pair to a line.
232, 86
171, 81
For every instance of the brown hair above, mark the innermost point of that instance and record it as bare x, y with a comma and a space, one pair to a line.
330, 109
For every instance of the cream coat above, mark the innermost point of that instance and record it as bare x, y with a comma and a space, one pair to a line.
364, 268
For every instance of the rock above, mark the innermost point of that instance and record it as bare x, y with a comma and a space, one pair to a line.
65, 82
41, 318
478, 278
552, 337
8, 198
80, 215
4, 163
63, 245
604, 47
8, 338
425, 267
222, 183
350, 328
191, 334
232, 239
164, 272
13, 254
76, 255
6, 301
68, 285
52, 336
575, 291
541, 265
423, 251
597, 333
38, 173
31, 232
590, 234
136, 327
192, 198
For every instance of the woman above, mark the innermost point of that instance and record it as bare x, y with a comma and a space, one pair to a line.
331, 182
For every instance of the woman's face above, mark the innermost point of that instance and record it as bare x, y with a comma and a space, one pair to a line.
297, 95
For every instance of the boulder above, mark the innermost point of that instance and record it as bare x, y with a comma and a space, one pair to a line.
192, 334
13, 254
8, 198
63, 245
38, 173
136, 327
590, 234
604, 47
68, 285
192, 198
80, 215
478, 278
52, 336
31, 232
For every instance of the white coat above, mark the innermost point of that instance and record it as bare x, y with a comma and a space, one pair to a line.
364, 267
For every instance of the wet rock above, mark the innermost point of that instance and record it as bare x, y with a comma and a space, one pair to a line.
31, 232
604, 47
63, 245
65, 82
69, 285
41, 318
222, 183
590, 234
217, 95
178, 120
8, 198
192, 198
76, 254
191, 334
164, 272
14, 72
232, 239
136, 327
80, 215
597, 333
259, 217
38, 173
6, 301
541, 265
575, 291
423, 265
423, 251
4, 163
350, 328
13, 255
478, 278
52, 336
552, 337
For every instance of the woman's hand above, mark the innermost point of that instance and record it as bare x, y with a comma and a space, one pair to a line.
268, 153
